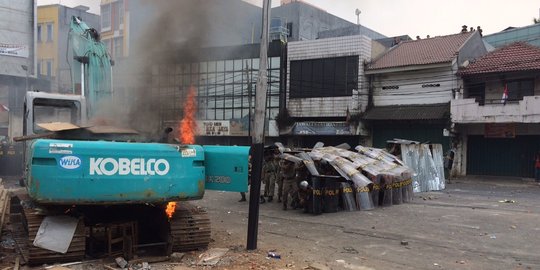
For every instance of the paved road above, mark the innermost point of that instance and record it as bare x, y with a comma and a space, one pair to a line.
463, 227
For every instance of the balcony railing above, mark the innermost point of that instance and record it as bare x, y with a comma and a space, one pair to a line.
469, 110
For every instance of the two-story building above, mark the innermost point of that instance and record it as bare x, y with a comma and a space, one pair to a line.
326, 91
499, 135
410, 87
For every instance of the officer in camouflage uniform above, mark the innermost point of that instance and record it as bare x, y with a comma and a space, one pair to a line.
279, 179
270, 169
290, 186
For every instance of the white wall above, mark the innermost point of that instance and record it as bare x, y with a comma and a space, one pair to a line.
326, 48
469, 111
410, 89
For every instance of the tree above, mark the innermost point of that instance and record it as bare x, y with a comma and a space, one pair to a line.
535, 20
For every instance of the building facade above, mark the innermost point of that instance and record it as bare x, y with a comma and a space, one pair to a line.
224, 80
529, 34
54, 56
411, 87
325, 89
17, 75
226, 73
499, 133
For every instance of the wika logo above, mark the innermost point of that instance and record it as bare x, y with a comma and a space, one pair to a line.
70, 162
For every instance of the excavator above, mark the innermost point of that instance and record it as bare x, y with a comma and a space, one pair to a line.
98, 191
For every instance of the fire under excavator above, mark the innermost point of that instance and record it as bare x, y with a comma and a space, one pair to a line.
93, 191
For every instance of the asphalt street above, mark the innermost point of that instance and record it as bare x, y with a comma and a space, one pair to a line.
476, 223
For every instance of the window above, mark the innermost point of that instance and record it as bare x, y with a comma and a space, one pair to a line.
520, 88
107, 43
427, 85
106, 17
38, 71
326, 77
118, 12
49, 32
39, 33
118, 47
121, 11
477, 91
49, 68
289, 29
47, 110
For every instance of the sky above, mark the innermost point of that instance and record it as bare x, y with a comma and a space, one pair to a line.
411, 17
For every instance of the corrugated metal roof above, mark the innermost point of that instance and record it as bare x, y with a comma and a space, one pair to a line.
409, 112
518, 56
423, 51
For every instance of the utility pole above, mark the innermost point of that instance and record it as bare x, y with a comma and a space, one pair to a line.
257, 145
249, 88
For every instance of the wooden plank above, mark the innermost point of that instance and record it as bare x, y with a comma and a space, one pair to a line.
34, 136
17, 264
58, 126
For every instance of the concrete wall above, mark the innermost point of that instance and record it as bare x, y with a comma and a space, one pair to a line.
351, 31
469, 111
17, 25
529, 34
308, 20
473, 48
410, 89
326, 48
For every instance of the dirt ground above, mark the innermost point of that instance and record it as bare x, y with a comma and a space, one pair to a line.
473, 224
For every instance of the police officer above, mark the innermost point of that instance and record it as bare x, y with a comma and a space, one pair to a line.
270, 168
301, 196
279, 178
289, 181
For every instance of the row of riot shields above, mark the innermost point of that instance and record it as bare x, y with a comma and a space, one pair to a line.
341, 179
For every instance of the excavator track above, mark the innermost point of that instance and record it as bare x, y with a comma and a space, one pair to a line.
190, 228
36, 255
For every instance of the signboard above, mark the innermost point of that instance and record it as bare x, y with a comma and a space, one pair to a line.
232, 127
322, 128
500, 130
213, 128
14, 50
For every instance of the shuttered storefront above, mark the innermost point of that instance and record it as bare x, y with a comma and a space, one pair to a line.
502, 156
410, 131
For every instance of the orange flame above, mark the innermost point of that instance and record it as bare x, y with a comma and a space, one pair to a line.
171, 207
188, 124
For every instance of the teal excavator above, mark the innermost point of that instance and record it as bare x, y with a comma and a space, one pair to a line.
91, 191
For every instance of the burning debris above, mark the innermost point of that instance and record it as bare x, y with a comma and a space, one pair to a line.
169, 210
188, 125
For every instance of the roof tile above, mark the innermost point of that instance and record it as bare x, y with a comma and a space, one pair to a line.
423, 51
518, 56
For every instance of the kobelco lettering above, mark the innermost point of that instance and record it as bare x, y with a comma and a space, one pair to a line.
126, 166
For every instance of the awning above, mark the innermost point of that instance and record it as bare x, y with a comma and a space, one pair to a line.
409, 112
321, 128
